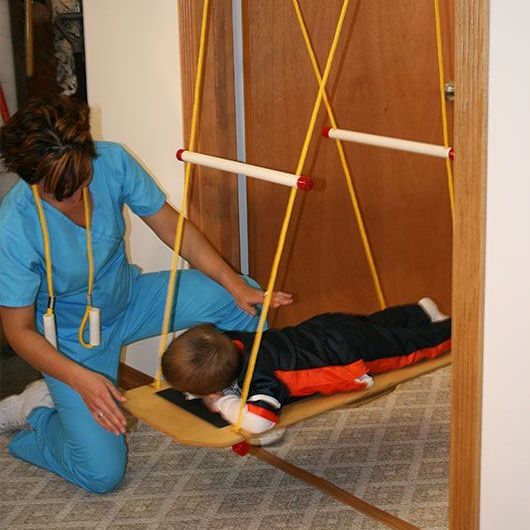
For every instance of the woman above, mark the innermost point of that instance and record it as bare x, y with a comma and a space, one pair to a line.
80, 435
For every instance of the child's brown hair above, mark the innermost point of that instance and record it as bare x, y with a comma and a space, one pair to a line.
202, 360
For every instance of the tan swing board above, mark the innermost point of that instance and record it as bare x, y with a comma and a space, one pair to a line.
186, 428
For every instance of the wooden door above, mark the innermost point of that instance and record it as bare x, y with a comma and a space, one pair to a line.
384, 81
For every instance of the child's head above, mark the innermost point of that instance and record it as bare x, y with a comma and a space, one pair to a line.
201, 361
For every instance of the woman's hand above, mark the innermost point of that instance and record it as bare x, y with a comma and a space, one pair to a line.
100, 396
247, 297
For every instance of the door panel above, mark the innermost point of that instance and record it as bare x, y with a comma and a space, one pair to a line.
384, 81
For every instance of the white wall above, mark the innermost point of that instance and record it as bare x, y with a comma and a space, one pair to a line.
134, 89
505, 481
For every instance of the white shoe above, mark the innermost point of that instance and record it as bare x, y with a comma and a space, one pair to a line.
14, 410
267, 438
430, 307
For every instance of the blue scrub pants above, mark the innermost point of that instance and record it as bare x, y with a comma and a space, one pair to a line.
67, 439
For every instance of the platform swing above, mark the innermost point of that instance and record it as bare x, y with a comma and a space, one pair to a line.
187, 428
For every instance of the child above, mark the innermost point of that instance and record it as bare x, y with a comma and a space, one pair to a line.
329, 353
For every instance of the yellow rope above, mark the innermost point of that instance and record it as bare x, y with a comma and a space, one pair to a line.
90, 259
180, 225
46, 244
283, 234
344, 163
441, 76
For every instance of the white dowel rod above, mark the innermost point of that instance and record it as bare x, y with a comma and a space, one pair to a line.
232, 166
389, 142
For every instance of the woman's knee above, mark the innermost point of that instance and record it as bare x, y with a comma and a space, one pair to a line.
103, 472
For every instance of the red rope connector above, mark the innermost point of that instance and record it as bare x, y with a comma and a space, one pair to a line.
179, 154
325, 132
241, 449
304, 183
451, 153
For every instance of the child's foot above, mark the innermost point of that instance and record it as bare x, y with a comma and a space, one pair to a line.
14, 410
267, 438
366, 379
430, 307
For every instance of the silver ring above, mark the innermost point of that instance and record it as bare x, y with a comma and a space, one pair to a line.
100, 415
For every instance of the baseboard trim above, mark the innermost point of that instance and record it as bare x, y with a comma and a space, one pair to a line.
130, 377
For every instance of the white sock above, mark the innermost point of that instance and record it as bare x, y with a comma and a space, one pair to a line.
367, 379
430, 307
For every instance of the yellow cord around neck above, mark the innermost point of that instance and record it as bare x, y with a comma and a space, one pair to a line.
48, 259
46, 243
90, 258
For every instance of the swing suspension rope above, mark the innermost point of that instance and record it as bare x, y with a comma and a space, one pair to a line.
184, 204
344, 162
443, 106
191, 158
285, 225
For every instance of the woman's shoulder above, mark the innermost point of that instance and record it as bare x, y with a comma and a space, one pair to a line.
109, 164
16, 208
106, 149
15, 200
112, 159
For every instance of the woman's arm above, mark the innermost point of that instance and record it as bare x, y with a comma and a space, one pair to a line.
200, 253
99, 394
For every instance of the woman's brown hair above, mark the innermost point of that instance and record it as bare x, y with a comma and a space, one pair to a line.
50, 141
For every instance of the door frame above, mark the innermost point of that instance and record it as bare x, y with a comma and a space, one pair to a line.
470, 167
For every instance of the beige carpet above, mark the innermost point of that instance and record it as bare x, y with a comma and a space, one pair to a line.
393, 452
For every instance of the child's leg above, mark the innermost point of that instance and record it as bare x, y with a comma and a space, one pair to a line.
409, 315
390, 347
198, 300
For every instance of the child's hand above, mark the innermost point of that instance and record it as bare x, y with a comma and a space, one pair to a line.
210, 401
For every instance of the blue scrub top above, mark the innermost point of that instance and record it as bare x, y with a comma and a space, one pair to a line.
118, 179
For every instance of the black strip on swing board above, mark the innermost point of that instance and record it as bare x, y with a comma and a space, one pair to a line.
194, 406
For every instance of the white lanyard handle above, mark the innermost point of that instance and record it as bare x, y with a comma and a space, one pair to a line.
94, 326
49, 329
